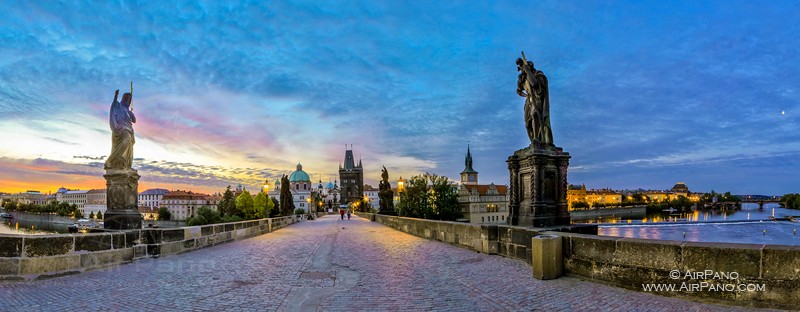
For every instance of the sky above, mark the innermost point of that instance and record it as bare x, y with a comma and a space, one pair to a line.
643, 94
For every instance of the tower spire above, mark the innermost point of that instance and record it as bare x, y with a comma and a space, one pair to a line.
469, 175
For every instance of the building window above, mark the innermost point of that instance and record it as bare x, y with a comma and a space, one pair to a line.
297, 187
482, 219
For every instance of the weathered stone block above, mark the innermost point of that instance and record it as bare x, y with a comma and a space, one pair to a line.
192, 232
93, 242
139, 251
106, 258
207, 230
10, 246
522, 236
652, 254
782, 262
47, 245
171, 248
151, 236
241, 233
744, 259
579, 267
154, 250
9, 266
546, 257
597, 248
117, 240
228, 227
133, 238
172, 235
48, 265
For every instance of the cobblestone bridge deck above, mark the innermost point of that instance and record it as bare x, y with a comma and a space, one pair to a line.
328, 265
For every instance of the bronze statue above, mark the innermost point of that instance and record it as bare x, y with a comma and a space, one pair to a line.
121, 120
386, 194
532, 84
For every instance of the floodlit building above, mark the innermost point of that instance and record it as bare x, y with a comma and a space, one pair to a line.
95, 202
480, 203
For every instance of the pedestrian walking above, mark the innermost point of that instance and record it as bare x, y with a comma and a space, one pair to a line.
341, 213
348, 214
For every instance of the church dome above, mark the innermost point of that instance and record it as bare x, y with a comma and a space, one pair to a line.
299, 175
329, 186
680, 187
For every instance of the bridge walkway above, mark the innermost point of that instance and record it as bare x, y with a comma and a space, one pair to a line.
329, 265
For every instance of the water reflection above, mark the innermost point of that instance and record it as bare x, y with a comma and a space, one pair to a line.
748, 212
748, 225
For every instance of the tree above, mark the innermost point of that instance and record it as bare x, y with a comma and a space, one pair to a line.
443, 198
77, 214
429, 196
287, 204
204, 216
91, 215
244, 206
227, 205
100, 215
791, 201
274, 208
413, 202
164, 214
260, 203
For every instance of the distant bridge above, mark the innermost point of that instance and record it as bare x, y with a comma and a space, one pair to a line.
760, 200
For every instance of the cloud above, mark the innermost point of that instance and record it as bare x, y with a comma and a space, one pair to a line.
262, 86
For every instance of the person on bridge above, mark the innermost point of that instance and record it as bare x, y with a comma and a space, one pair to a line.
341, 213
348, 214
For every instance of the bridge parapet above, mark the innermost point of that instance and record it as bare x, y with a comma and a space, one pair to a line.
34, 256
631, 263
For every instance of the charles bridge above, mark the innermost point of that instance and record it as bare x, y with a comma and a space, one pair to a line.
391, 264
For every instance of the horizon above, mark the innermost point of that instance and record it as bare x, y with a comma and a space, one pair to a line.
643, 95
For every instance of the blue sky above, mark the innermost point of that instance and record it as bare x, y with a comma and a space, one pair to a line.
643, 93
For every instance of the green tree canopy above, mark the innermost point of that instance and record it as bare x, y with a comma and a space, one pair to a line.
227, 205
287, 202
429, 196
260, 203
164, 214
205, 215
791, 201
245, 207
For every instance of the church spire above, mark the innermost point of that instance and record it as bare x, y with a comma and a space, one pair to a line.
469, 175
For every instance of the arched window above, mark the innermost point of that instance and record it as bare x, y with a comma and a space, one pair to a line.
297, 187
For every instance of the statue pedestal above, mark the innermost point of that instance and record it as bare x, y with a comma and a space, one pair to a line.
122, 198
538, 190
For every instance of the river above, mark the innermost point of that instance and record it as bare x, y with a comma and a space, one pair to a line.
748, 225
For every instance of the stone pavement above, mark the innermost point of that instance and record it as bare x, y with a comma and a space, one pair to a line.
329, 265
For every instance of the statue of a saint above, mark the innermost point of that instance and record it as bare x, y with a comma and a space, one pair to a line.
121, 120
385, 193
532, 85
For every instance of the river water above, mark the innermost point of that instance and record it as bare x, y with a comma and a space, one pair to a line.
749, 225
28, 223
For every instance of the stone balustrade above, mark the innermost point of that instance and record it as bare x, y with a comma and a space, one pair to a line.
34, 256
631, 263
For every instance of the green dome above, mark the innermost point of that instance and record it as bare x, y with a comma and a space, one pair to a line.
299, 175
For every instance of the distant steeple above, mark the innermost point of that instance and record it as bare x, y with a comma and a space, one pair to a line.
469, 175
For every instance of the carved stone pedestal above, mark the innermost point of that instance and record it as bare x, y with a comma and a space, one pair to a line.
538, 190
122, 190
